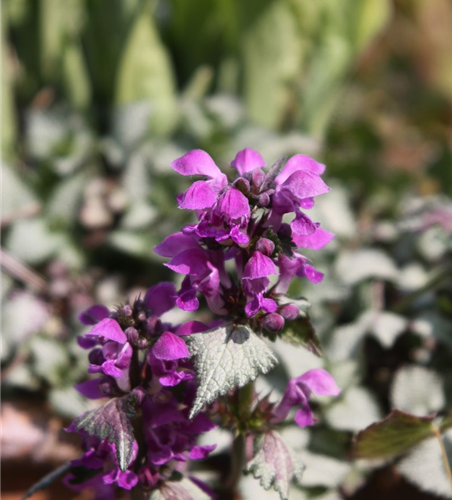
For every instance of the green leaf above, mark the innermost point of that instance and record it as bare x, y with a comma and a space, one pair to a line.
227, 357
112, 421
145, 73
275, 465
47, 480
395, 435
300, 332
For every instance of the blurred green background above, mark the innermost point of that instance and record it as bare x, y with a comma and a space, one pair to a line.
99, 96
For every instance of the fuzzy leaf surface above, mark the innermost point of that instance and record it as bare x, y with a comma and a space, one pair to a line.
225, 358
274, 464
184, 489
395, 435
112, 421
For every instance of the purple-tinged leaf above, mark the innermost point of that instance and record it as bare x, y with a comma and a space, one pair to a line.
112, 421
182, 489
275, 464
300, 332
395, 434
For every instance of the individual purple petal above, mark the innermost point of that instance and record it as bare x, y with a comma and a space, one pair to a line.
304, 185
161, 298
174, 378
297, 163
307, 203
252, 307
109, 368
187, 300
198, 196
234, 204
90, 388
288, 268
108, 329
304, 417
196, 162
320, 382
127, 480
200, 424
238, 237
191, 327
174, 244
247, 160
170, 347
200, 452
311, 273
124, 356
268, 305
192, 262
162, 413
259, 266
86, 343
315, 241
303, 225
94, 314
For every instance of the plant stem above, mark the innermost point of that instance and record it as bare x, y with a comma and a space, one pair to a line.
238, 458
444, 455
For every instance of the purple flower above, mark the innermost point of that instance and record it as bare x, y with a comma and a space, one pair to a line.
170, 435
298, 392
247, 160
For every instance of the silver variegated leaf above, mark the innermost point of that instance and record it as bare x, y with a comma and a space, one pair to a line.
184, 489
275, 464
227, 357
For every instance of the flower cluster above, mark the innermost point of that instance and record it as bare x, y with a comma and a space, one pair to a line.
243, 221
137, 354
241, 256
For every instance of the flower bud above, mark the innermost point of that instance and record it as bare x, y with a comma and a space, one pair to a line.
108, 387
263, 200
142, 316
265, 246
257, 178
242, 185
142, 343
139, 393
273, 322
285, 231
289, 312
127, 310
132, 335
96, 357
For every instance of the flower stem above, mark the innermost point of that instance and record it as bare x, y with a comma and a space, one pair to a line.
444, 455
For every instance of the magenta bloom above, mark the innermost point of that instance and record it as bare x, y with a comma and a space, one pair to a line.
243, 221
298, 392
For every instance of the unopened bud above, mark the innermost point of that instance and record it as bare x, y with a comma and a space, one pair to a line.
132, 335
242, 185
285, 231
265, 246
289, 312
142, 316
127, 310
273, 322
257, 178
263, 200
96, 357
142, 343
108, 387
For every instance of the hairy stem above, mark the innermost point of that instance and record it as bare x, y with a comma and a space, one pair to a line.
444, 455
